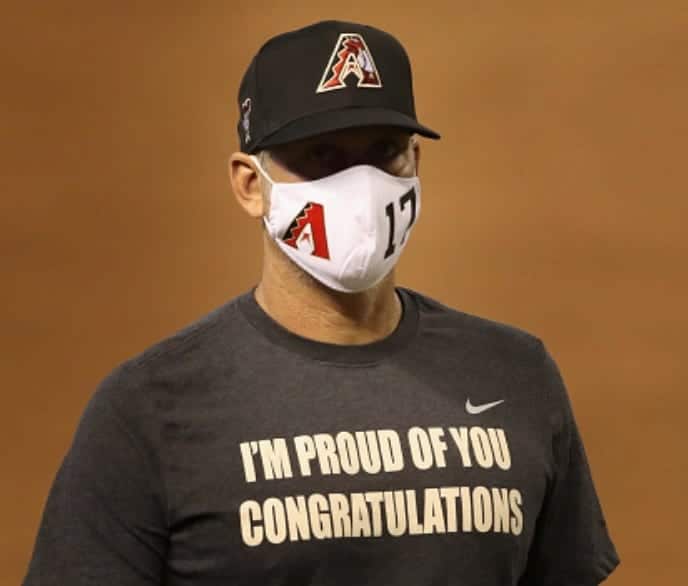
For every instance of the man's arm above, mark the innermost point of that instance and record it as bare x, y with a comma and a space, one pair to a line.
104, 521
571, 545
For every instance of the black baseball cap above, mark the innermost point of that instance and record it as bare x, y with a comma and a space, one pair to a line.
326, 76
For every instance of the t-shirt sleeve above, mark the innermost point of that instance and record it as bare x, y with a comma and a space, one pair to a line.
571, 545
104, 520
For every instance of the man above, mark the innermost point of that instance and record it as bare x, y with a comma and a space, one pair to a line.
328, 427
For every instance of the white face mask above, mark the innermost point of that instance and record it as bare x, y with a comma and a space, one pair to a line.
348, 229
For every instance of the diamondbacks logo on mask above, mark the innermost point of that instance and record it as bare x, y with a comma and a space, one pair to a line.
307, 231
350, 56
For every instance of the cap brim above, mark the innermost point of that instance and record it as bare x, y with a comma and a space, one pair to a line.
329, 121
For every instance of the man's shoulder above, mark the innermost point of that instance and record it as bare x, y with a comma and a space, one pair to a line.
190, 339
177, 359
480, 333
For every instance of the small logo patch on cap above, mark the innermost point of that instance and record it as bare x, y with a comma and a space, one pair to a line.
246, 119
350, 55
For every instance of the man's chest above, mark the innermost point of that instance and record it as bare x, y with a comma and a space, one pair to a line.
306, 471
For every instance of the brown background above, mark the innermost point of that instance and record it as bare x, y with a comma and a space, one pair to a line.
556, 202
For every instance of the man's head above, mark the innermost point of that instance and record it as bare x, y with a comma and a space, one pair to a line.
317, 102
319, 99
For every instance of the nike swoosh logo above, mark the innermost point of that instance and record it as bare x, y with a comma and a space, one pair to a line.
475, 409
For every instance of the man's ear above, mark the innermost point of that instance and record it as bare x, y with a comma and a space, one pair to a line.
246, 184
416, 153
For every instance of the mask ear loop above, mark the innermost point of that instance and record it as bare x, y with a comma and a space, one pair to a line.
262, 170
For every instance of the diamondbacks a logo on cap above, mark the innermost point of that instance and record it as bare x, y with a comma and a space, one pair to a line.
307, 231
350, 56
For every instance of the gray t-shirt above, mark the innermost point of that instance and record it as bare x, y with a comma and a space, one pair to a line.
237, 453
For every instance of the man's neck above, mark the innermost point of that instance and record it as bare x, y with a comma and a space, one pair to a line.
305, 307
